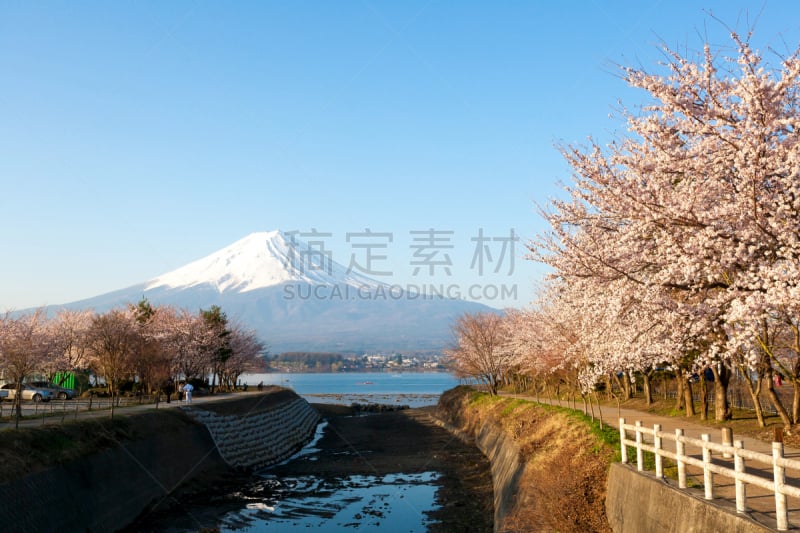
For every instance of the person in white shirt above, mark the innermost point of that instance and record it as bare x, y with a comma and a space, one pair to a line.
187, 392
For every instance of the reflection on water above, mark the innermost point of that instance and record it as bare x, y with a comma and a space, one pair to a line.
396, 502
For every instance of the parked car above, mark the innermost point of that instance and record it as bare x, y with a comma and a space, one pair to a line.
59, 392
29, 392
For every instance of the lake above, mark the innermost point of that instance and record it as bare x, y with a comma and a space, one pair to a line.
415, 389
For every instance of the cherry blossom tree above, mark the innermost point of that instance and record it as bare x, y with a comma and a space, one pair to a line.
69, 328
151, 359
246, 356
184, 334
696, 209
112, 343
479, 351
25, 344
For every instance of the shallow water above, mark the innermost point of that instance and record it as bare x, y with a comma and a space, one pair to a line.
265, 502
415, 389
396, 502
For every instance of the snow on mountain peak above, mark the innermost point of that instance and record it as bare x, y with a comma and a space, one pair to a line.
260, 260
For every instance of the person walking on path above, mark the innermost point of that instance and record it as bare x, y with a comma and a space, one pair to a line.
187, 392
169, 388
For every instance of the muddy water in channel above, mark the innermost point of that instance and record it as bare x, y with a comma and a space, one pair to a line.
392, 471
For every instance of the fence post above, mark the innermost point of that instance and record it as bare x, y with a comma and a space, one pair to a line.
708, 479
781, 512
680, 451
639, 451
741, 488
657, 446
622, 437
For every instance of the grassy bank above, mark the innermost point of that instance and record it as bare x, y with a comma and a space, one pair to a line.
567, 458
33, 449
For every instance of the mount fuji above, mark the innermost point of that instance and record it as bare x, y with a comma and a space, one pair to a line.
297, 298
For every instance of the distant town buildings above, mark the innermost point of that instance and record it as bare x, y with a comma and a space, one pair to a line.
334, 362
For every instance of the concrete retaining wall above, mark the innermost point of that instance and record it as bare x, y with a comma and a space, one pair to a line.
506, 469
504, 457
260, 439
108, 490
638, 502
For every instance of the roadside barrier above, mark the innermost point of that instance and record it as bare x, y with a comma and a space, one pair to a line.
728, 452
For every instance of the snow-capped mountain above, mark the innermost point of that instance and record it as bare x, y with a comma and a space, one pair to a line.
261, 260
297, 298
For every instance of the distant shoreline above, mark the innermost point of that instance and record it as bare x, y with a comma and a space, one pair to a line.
361, 371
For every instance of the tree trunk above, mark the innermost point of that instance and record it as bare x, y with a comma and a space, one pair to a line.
680, 400
628, 389
722, 408
491, 385
17, 408
776, 402
755, 391
599, 409
703, 397
647, 389
796, 402
688, 398
112, 390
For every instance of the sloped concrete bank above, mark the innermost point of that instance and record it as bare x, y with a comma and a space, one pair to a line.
639, 502
507, 467
258, 439
503, 454
107, 490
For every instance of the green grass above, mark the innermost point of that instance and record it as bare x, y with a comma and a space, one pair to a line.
609, 435
512, 404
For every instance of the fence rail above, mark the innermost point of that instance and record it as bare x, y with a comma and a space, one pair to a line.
72, 408
734, 450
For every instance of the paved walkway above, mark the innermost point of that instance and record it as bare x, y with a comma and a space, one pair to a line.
760, 501
52, 419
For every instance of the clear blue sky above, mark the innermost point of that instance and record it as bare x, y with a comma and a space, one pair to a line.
138, 136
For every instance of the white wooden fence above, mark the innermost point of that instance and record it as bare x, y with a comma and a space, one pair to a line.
776, 483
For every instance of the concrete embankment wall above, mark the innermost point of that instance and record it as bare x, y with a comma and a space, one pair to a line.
507, 468
260, 439
637, 502
107, 490
503, 454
